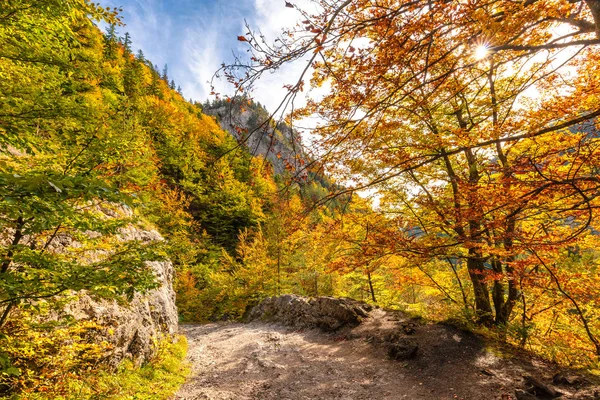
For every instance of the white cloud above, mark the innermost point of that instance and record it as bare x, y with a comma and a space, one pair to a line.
202, 56
195, 38
271, 18
149, 26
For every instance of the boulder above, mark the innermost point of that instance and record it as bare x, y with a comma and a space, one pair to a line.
402, 349
327, 313
132, 329
568, 379
539, 389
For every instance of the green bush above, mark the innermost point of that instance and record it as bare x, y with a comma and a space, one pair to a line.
157, 379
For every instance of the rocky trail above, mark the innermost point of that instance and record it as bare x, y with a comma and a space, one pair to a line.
386, 356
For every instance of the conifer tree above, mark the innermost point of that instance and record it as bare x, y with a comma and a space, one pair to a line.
165, 73
127, 43
112, 41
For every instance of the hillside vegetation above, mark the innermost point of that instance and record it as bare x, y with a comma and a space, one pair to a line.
89, 129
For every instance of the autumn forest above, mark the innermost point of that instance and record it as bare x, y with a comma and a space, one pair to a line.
439, 158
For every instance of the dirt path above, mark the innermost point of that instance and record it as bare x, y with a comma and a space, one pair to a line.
261, 361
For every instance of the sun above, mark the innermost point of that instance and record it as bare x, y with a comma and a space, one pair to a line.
481, 52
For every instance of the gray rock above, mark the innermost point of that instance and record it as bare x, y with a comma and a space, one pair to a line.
569, 380
522, 395
540, 389
402, 349
132, 329
326, 313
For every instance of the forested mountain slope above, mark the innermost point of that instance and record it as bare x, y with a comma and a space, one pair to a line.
252, 126
88, 129
96, 143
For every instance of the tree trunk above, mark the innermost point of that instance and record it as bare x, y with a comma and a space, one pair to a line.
371, 287
504, 310
503, 317
278, 271
5, 313
594, 6
498, 290
16, 239
4, 268
483, 307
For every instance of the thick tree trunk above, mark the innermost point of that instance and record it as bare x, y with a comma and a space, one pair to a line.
504, 306
483, 307
498, 289
594, 6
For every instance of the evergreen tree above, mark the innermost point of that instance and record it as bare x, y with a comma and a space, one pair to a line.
133, 77
165, 73
154, 88
126, 40
111, 42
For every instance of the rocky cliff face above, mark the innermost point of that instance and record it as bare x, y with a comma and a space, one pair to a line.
280, 145
131, 329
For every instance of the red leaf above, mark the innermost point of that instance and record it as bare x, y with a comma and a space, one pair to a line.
289, 5
242, 39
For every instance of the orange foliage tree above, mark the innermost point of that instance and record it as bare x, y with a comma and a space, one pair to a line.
476, 121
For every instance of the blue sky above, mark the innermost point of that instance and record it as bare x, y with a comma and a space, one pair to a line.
195, 36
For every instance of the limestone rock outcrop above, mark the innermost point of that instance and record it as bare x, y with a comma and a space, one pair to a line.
281, 146
131, 329
326, 313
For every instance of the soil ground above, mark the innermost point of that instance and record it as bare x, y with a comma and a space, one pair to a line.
234, 361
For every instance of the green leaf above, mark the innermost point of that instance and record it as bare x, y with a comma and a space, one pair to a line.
12, 371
